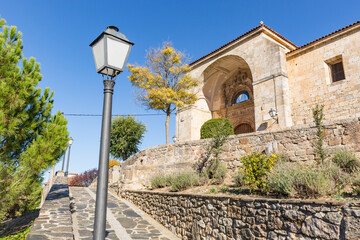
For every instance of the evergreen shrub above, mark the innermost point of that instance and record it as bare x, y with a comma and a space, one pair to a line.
210, 128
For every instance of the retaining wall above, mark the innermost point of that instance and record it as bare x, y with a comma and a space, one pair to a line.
215, 217
295, 142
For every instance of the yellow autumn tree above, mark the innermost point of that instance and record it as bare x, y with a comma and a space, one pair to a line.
164, 82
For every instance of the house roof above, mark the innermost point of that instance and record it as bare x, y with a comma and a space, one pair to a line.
294, 47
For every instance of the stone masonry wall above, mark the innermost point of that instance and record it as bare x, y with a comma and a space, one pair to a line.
295, 142
215, 217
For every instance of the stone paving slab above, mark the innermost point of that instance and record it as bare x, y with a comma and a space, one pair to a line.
54, 221
83, 212
124, 220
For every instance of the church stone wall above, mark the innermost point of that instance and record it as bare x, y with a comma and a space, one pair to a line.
310, 80
266, 60
290, 82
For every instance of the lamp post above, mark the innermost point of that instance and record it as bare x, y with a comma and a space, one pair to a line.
63, 163
111, 50
71, 140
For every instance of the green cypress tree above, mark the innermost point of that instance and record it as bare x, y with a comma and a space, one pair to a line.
126, 135
31, 139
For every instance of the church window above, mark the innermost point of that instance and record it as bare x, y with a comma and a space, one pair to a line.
336, 68
337, 72
241, 97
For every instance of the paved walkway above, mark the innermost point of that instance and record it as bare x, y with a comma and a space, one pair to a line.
124, 220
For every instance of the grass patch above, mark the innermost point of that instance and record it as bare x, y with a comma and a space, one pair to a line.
21, 235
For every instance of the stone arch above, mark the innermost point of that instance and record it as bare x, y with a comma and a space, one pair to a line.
223, 80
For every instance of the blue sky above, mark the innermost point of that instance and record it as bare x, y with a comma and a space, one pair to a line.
58, 34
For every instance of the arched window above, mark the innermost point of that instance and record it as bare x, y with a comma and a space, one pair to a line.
241, 97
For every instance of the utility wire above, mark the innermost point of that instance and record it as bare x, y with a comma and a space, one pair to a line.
114, 115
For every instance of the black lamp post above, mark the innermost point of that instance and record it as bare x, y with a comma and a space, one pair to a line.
111, 50
71, 140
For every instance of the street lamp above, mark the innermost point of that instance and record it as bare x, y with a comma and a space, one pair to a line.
63, 163
111, 50
71, 140
273, 114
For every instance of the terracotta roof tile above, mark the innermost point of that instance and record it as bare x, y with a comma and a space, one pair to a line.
326, 36
241, 36
277, 34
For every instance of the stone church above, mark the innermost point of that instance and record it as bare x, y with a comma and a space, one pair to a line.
262, 81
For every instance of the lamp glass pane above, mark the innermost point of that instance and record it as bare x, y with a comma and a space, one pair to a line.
117, 52
99, 54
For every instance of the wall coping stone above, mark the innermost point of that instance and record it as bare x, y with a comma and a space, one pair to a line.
251, 199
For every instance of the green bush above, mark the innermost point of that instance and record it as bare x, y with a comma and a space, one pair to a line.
346, 160
182, 181
211, 127
255, 168
217, 172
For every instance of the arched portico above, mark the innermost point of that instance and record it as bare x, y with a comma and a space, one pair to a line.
228, 90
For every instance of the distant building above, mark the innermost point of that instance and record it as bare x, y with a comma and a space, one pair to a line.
261, 70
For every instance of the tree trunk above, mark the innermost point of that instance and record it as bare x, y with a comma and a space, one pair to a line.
124, 157
167, 127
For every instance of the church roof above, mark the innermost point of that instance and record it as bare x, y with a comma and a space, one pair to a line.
341, 30
255, 29
294, 49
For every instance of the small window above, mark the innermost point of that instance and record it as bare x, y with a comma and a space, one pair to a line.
337, 71
241, 97
336, 68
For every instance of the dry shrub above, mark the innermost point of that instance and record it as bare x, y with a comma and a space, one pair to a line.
346, 160
294, 179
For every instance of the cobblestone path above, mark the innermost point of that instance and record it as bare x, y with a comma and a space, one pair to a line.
124, 221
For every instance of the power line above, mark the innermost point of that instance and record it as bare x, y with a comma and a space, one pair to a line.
114, 115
